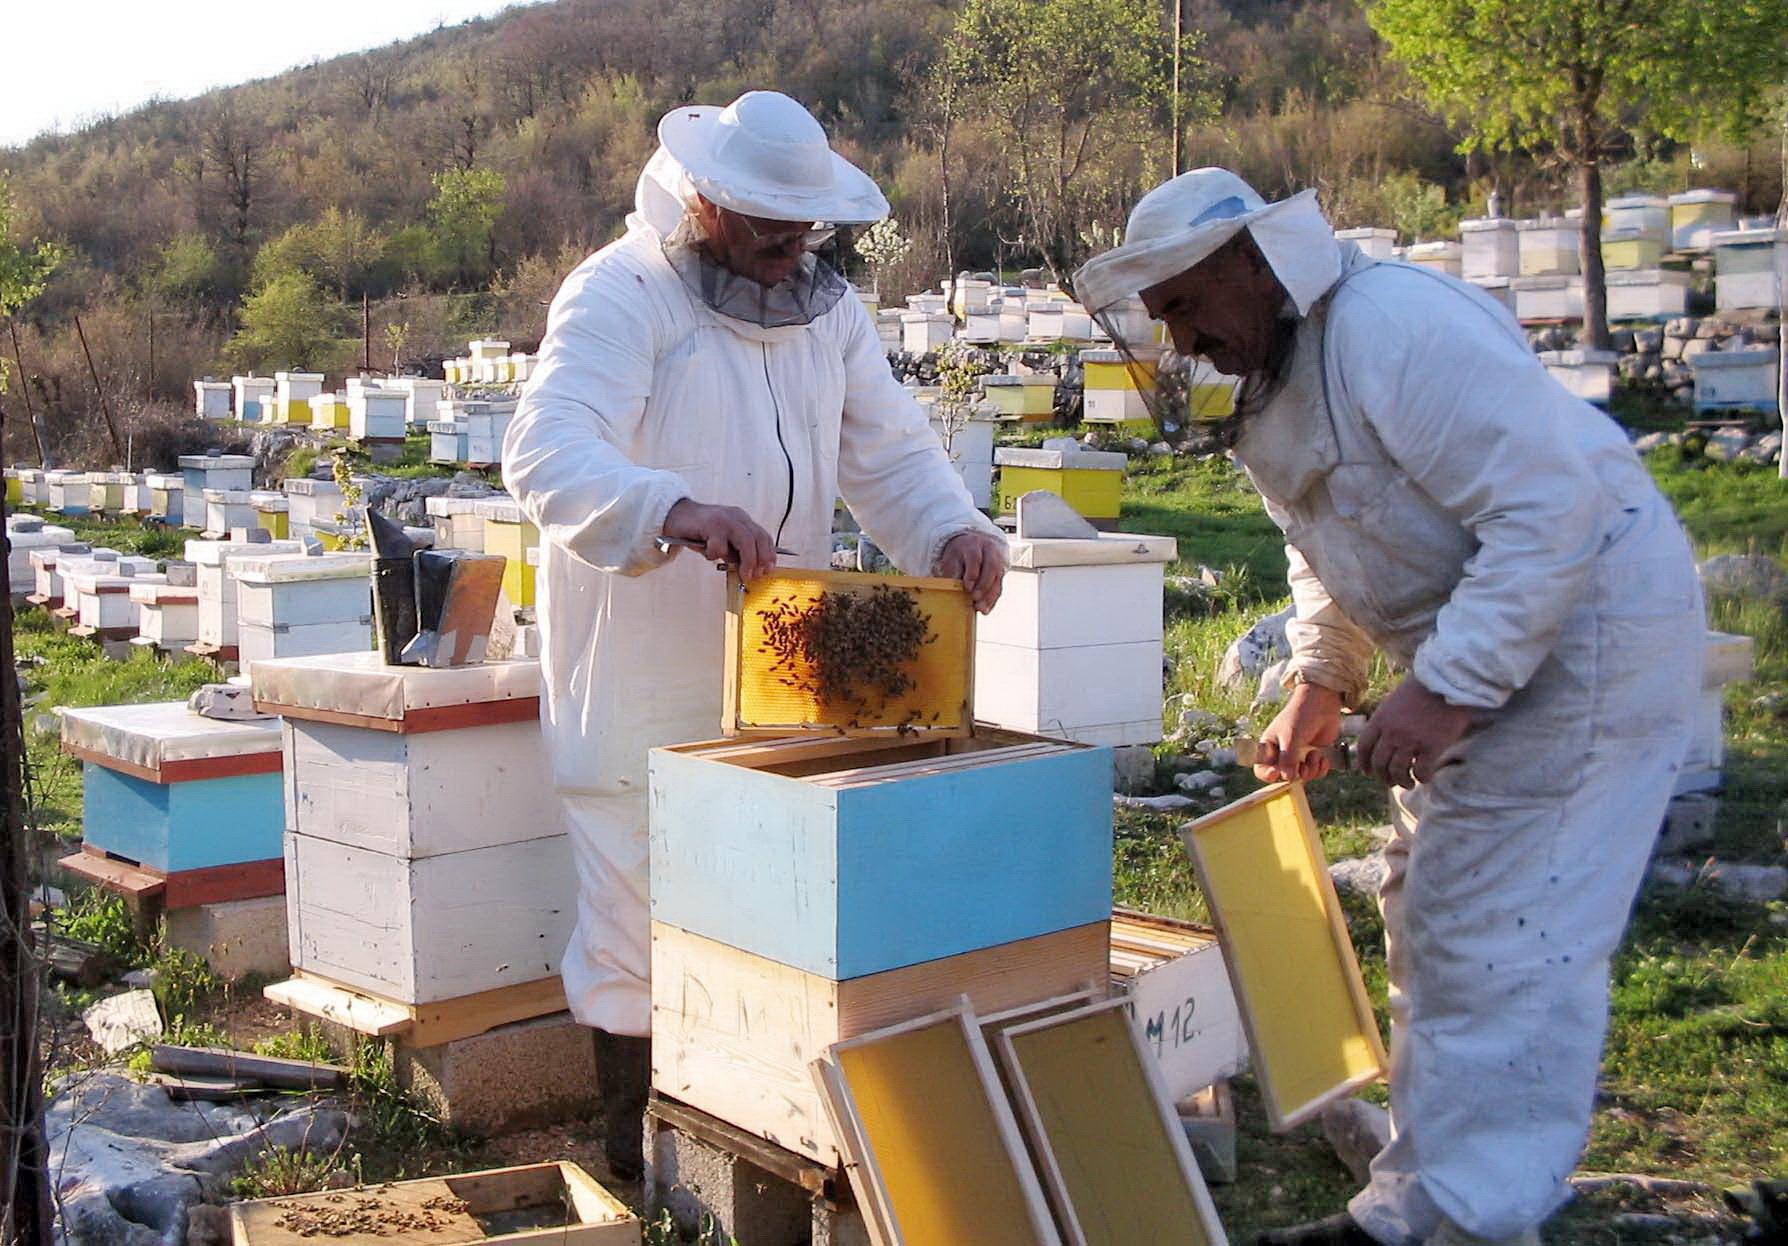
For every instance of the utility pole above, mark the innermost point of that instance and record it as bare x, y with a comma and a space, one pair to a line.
149, 391
366, 334
37, 428
1179, 35
104, 403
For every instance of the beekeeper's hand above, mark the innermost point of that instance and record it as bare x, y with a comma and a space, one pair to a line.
1406, 740
728, 534
1310, 721
979, 561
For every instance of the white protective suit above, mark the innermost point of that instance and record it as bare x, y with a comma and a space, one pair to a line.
1444, 500
643, 396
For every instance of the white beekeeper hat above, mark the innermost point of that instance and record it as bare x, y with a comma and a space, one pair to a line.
1181, 222
764, 155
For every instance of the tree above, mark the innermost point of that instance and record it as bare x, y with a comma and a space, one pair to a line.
189, 271
290, 323
1074, 88
1575, 79
25, 267
464, 214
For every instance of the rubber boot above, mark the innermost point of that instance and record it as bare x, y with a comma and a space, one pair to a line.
623, 1074
1338, 1230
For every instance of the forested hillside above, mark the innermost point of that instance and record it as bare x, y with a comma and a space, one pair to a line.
449, 181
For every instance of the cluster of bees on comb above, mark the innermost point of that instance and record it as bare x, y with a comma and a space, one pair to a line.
850, 652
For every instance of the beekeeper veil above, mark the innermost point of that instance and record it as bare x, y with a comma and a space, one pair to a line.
761, 156
1175, 227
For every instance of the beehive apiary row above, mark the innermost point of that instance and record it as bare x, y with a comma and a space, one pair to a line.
490, 362
366, 408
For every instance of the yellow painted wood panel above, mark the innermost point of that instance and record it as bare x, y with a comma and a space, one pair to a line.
276, 522
513, 541
1096, 1108
1095, 494
936, 1140
1139, 375
1296, 977
942, 673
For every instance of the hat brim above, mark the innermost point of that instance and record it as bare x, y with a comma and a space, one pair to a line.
1126, 271
688, 133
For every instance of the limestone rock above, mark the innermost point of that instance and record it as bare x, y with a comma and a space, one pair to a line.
1358, 1131
1198, 781
1133, 768
1154, 804
122, 1021
1255, 650
1745, 575
1361, 876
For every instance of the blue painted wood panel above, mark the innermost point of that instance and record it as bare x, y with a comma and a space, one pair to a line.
184, 826
847, 882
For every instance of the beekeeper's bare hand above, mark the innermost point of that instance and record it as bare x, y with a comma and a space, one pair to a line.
979, 561
727, 533
1311, 720
1406, 740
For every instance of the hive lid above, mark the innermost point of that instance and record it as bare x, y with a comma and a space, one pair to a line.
501, 507
1648, 277
1082, 460
157, 480
359, 689
1746, 357
768, 695
1365, 231
213, 553
309, 487
1029, 553
1579, 358
293, 568
217, 462
229, 496
159, 592
446, 505
1635, 201
1703, 196
267, 500
169, 741
1486, 224
1746, 237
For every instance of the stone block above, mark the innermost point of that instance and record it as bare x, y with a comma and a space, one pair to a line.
1133, 768
1208, 1118
711, 1191
1688, 824
519, 1076
237, 937
838, 1226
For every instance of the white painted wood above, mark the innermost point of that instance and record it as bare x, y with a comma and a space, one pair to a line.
1186, 1014
343, 597
422, 794
1086, 693
1059, 607
418, 931
258, 642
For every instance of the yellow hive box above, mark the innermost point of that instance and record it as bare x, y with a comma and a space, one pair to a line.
765, 698
1108, 369
328, 412
508, 532
15, 488
278, 522
1631, 251
1027, 398
1090, 481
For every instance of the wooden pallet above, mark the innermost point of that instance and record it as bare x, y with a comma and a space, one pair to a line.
419, 1025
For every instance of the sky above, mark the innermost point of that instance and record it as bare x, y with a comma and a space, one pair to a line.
66, 61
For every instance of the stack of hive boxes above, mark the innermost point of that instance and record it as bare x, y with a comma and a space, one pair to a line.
211, 470
1114, 388
218, 628
809, 888
25, 535
68, 492
290, 607
1635, 236
292, 392
308, 500
211, 399
96, 594
1549, 287
507, 531
254, 398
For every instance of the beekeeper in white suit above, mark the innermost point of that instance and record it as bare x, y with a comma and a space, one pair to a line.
1446, 502
707, 377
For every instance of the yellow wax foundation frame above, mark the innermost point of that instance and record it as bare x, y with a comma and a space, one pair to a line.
1297, 981
760, 703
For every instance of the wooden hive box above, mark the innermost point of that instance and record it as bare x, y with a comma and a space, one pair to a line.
167, 495
1173, 976
226, 510
308, 500
425, 859
290, 607
552, 1204
1697, 215
99, 593
217, 588
1115, 387
167, 615
271, 512
292, 392
193, 800
507, 531
1548, 247
446, 441
376, 414
211, 400
109, 491
1074, 647
1091, 481
46, 585
457, 523
1028, 398
253, 398
328, 412
68, 492
200, 472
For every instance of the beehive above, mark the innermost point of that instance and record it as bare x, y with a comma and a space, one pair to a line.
211, 470
1073, 650
226, 510
1443, 257
217, 589
193, 799
1627, 250
1589, 374
1747, 264
167, 496
67, 492
308, 500
1697, 215
423, 396
377, 414
1377, 243
765, 697
1115, 385
46, 587
1548, 298
211, 399
328, 412
510, 533
1091, 481
272, 512
1647, 216
457, 523
292, 392
32, 489
100, 594
1549, 247
70, 609
425, 859
446, 441
15, 487
167, 615
1029, 397
487, 354
295, 607
1649, 294
1045, 319
26, 535
254, 398
1490, 247
1736, 379
1172, 974
967, 435
923, 332
483, 424
113, 492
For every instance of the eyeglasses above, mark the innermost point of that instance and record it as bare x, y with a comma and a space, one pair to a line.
815, 236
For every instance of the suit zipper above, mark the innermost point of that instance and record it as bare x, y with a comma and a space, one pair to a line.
786, 456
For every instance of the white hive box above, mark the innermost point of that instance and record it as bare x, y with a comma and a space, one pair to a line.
167, 615
32, 489
922, 332
167, 498
931, 302
1442, 257
1747, 268
137, 497
1630, 250
967, 437
1172, 973
1736, 379
423, 855
424, 397
296, 607
1697, 215
254, 398
457, 523
211, 400
1045, 320
1492, 248
981, 327
68, 492
888, 329
292, 392
1077, 323
1554, 297
98, 561
217, 588
1014, 320
227, 510
973, 297
308, 500
1727, 659
26, 534
489, 355
1073, 650
211, 471
485, 424
1549, 247
446, 441
1589, 374
100, 593
114, 492
1377, 243
1648, 294
377, 414
1646, 216
522, 366
45, 585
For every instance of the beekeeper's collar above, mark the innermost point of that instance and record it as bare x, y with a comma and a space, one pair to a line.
1181, 222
